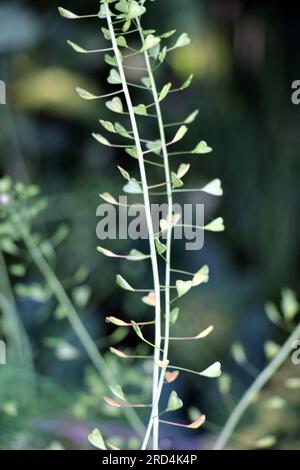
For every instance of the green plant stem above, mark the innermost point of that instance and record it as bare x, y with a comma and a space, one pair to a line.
154, 419
251, 393
14, 329
72, 315
154, 261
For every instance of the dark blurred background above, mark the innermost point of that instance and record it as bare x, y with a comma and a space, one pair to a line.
245, 56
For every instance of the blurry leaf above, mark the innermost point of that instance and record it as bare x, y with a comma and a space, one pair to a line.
183, 287
293, 383
191, 118
216, 225
182, 41
174, 314
171, 376
176, 182
149, 299
271, 349
202, 276
272, 313
77, 48
123, 284
67, 14
164, 92
124, 173
183, 169
224, 384
86, 95
202, 148
115, 105
10, 408
275, 403
81, 295
174, 403
18, 270
150, 42
141, 110
168, 34
160, 247
180, 134
107, 197
289, 304
114, 77
118, 392
133, 187
96, 439
265, 442
188, 82
214, 188
116, 321
238, 353
33, 291
102, 140
66, 352
212, 371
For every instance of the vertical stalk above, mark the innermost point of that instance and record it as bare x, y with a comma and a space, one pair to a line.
257, 385
153, 253
154, 420
73, 317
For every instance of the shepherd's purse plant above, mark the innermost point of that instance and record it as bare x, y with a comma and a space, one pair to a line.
121, 24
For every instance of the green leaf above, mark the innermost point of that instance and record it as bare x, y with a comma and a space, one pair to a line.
135, 10
118, 392
124, 173
168, 34
212, 371
133, 187
174, 314
114, 77
160, 247
176, 182
121, 130
86, 95
108, 126
183, 169
121, 41
110, 60
202, 148
115, 105
238, 353
183, 287
180, 134
121, 282
272, 313
214, 188
163, 54
165, 91
289, 304
102, 140
182, 41
67, 14
201, 277
150, 42
155, 146
271, 349
132, 151
76, 47
146, 81
191, 118
140, 110
81, 295
174, 403
187, 83
96, 439
106, 34
216, 225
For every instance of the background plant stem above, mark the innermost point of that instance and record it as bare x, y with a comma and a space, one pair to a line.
257, 385
73, 317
